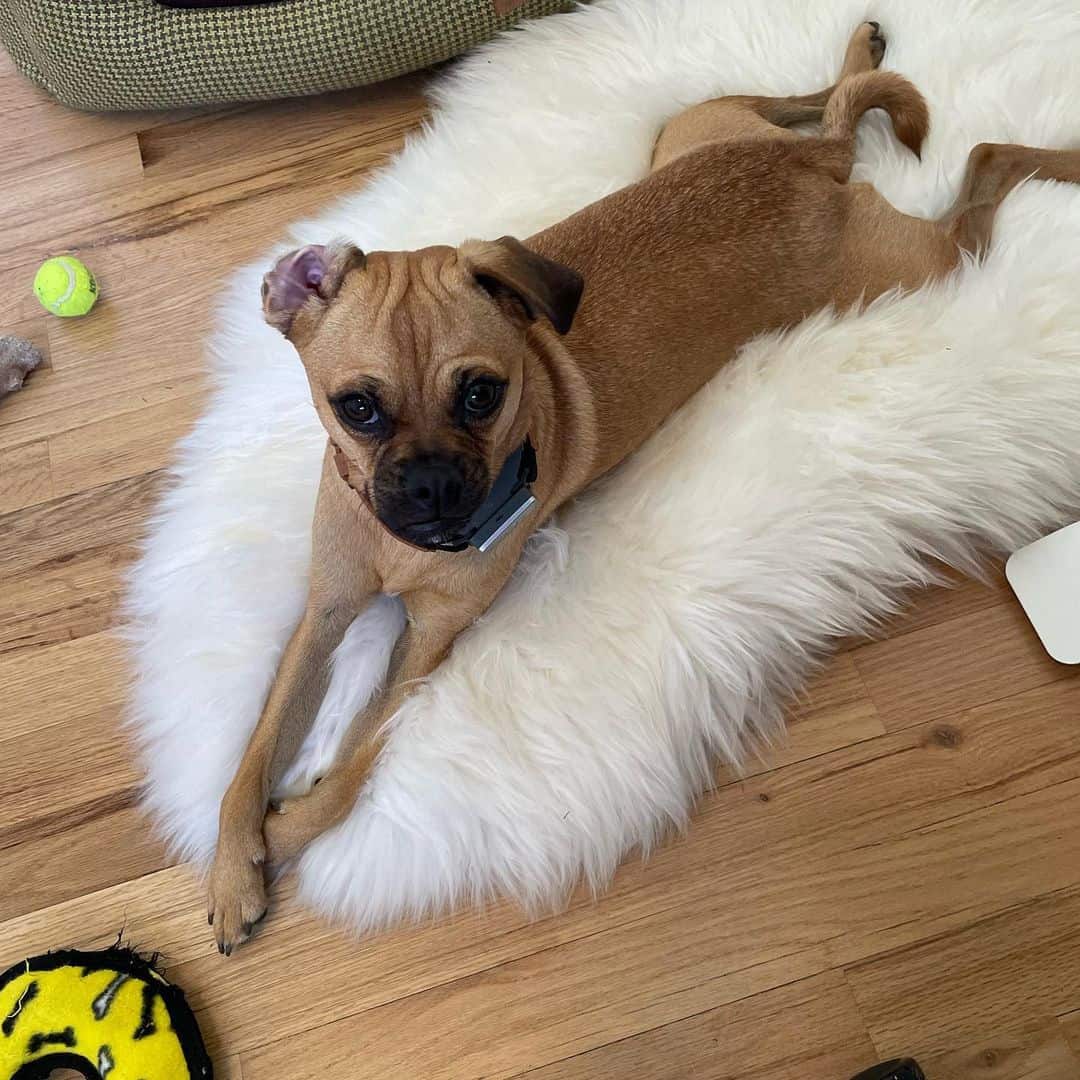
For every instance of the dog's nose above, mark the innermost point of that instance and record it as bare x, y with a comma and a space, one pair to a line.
433, 486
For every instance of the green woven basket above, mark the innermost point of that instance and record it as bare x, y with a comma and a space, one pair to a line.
136, 54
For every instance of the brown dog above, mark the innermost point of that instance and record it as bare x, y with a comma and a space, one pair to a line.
457, 383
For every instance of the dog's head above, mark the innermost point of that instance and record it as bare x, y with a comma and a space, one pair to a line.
417, 362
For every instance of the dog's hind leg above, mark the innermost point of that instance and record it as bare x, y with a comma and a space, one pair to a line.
741, 117
993, 170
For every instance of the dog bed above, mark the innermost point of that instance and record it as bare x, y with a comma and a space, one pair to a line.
139, 54
662, 621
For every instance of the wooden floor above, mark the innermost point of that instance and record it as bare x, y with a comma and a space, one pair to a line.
903, 879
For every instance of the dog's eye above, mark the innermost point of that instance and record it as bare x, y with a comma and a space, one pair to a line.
481, 397
358, 410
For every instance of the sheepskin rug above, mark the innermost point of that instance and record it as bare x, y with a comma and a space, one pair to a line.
661, 622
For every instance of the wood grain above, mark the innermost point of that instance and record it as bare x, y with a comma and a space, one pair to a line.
120, 447
835, 711
88, 675
61, 564
1018, 966
25, 475
900, 876
921, 675
1038, 1051
1070, 1029
806, 1029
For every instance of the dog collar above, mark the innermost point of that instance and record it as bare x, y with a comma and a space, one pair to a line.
509, 500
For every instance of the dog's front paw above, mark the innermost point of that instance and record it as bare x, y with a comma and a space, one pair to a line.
291, 824
237, 892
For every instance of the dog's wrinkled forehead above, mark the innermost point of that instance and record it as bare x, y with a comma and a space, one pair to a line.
411, 300
409, 324
485, 280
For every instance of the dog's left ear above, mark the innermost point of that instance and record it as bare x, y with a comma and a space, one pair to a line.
508, 271
313, 271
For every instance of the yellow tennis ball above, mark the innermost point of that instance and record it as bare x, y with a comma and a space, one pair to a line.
65, 287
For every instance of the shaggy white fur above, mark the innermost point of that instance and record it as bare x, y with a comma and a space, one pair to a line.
669, 613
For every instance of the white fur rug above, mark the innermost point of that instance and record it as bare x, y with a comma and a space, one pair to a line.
670, 612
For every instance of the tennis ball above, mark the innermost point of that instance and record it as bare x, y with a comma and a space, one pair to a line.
65, 287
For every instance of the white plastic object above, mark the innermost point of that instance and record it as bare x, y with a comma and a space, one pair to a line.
1045, 576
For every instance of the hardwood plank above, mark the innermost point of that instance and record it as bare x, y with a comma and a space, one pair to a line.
198, 154
25, 476
40, 127
806, 1029
136, 343
18, 304
192, 168
835, 711
1070, 1028
301, 977
1035, 1052
886, 842
62, 562
528, 1012
955, 665
942, 603
920, 887
37, 796
108, 842
837, 686
61, 684
989, 841
65, 180
229, 1068
56, 406
120, 447
1018, 966
162, 910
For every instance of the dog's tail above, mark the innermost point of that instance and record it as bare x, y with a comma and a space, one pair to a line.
877, 90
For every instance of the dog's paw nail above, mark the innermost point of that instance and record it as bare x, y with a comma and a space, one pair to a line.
228, 949
210, 919
221, 948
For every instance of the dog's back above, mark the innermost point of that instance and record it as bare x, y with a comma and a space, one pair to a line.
683, 267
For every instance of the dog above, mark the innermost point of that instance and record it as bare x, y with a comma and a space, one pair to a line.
469, 392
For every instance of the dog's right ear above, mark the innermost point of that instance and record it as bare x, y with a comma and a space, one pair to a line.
310, 275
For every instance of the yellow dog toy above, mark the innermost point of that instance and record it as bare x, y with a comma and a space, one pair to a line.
107, 1015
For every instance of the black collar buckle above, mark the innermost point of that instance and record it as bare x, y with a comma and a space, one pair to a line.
508, 502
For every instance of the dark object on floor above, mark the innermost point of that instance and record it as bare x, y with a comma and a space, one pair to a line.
897, 1069
140, 54
18, 358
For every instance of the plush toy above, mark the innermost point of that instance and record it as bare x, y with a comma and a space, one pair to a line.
106, 1015
17, 359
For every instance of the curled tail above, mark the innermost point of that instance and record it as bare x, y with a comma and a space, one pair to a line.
877, 90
